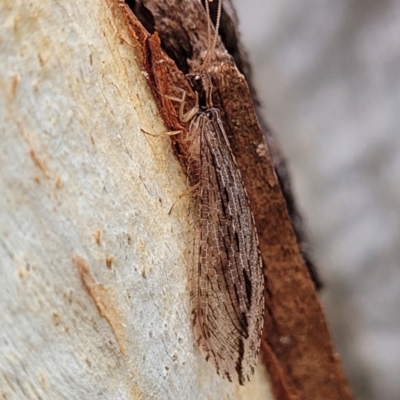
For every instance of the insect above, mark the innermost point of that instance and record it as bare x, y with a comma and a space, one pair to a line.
226, 276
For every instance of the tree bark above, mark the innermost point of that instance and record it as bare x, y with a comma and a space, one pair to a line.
94, 297
93, 292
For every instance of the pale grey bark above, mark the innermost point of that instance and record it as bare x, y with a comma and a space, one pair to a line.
94, 300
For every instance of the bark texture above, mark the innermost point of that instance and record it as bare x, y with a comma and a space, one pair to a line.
94, 300
93, 291
297, 347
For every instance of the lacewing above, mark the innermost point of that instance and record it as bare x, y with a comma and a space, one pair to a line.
226, 278
226, 274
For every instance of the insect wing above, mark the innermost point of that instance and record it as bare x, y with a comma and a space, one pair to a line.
227, 281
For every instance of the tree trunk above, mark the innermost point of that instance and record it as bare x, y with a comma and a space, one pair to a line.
94, 298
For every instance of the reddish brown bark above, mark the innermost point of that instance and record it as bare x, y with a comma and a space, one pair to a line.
296, 347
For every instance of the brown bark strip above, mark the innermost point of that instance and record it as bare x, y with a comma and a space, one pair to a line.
296, 347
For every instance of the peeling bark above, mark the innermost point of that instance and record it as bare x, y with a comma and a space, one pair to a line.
94, 300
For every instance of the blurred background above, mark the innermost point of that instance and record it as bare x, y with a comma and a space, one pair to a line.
328, 76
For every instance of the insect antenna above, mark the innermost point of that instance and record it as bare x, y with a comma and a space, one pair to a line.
211, 44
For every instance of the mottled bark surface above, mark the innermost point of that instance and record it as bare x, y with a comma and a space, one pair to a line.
297, 348
94, 300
